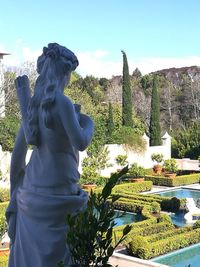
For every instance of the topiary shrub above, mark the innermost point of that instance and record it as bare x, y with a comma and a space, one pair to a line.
137, 245
196, 224
155, 207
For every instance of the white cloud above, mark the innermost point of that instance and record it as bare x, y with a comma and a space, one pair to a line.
90, 64
96, 63
99, 63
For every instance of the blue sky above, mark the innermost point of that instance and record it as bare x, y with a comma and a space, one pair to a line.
155, 34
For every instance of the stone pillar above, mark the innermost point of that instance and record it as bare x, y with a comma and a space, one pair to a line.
166, 139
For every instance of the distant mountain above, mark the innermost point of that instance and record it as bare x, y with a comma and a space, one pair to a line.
174, 75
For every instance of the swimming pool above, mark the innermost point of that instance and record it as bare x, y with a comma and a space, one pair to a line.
181, 193
126, 218
182, 257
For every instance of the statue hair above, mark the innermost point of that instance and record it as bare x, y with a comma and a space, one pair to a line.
55, 62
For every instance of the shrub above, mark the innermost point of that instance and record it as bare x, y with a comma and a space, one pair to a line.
164, 218
179, 180
155, 207
170, 165
157, 157
4, 194
90, 232
3, 224
136, 244
167, 244
169, 233
4, 261
196, 224
136, 171
133, 187
121, 160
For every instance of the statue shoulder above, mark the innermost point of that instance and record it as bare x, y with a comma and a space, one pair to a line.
63, 102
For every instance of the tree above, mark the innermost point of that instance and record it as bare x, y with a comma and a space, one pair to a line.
169, 106
185, 143
110, 123
126, 95
154, 128
137, 73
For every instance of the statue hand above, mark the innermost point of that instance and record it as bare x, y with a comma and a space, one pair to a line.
23, 87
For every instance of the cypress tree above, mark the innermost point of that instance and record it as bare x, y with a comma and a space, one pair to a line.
110, 124
154, 128
126, 95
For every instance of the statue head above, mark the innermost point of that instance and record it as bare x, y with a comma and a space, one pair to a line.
56, 62
54, 67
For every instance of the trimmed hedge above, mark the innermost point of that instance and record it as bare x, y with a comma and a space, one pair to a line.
4, 261
178, 180
140, 247
143, 228
134, 202
133, 206
166, 234
133, 187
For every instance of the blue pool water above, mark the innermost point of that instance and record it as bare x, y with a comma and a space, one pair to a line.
181, 193
178, 218
126, 218
181, 258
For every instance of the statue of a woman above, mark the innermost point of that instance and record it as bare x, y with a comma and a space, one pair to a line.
46, 190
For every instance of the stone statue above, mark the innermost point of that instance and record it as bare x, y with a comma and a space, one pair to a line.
46, 190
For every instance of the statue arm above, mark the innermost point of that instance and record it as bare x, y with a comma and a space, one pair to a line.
24, 96
80, 133
18, 163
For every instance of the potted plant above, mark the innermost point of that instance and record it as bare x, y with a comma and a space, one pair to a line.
90, 237
170, 167
121, 160
157, 168
136, 173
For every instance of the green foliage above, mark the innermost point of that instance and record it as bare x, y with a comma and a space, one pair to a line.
136, 171
4, 261
110, 123
185, 143
154, 128
164, 218
129, 139
157, 157
90, 235
93, 164
170, 165
121, 160
169, 243
134, 202
8, 130
4, 194
3, 224
133, 187
146, 81
196, 224
127, 109
179, 180
155, 207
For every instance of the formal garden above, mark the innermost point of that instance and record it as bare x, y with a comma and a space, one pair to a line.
155, 233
